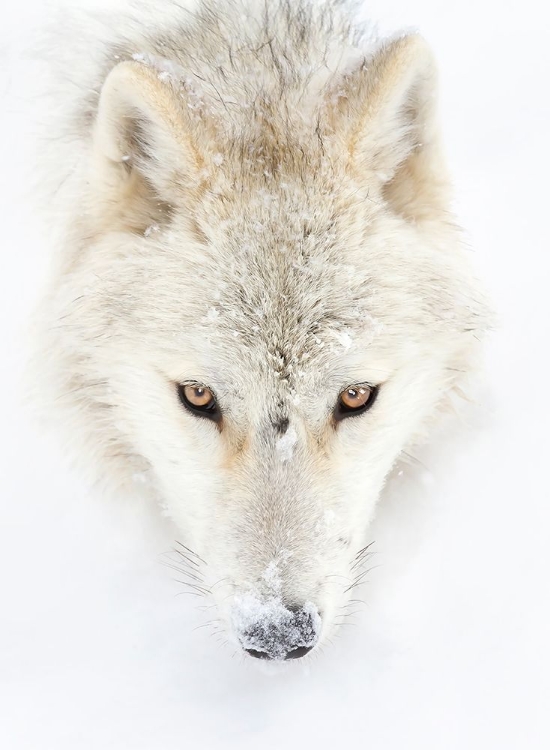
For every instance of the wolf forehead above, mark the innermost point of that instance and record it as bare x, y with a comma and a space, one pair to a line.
278, 277
287, 277
293, 275
282, 276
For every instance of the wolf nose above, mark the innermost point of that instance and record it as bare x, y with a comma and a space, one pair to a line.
284, 633
295, 653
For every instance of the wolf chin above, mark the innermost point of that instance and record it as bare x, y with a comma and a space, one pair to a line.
260, 296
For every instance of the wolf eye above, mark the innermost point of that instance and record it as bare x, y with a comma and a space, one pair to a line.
355, 400
199, 400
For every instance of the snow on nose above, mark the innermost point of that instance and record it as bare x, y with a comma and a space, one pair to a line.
267, 629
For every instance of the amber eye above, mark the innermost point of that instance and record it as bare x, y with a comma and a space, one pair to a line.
199, 400
355, 400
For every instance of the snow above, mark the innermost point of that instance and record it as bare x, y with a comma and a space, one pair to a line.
212, 315
272, 577
267, 625
285, 445
452, 649
344, 338
167, 70
263, 623
150, 229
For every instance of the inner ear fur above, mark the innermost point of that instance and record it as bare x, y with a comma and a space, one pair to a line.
386, 113
144, 157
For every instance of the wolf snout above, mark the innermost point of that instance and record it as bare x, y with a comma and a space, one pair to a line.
270, 630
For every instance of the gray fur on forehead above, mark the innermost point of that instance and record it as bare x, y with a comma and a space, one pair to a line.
257, 62
287, 285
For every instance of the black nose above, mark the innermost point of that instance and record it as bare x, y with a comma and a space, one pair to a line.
295, 653
290, 635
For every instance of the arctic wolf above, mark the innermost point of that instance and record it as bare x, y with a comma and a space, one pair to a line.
260, 298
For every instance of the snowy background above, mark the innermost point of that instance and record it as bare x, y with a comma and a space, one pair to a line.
98, 651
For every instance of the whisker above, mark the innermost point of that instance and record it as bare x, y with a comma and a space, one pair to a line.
223, 582
363, 559
364, 549
185, 557
194, 586
348, 614
178, 569
188, 593
210, 624
191, 552
414, 460
360, 579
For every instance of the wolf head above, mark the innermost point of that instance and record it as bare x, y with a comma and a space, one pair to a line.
264, 303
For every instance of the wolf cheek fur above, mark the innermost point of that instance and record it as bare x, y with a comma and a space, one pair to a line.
259, 211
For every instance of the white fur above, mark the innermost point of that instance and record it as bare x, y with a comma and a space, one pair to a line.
255, 200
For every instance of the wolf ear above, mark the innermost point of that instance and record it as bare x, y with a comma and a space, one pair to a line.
144, 159
389, 104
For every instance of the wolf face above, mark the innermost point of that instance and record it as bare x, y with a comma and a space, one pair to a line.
263, 302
